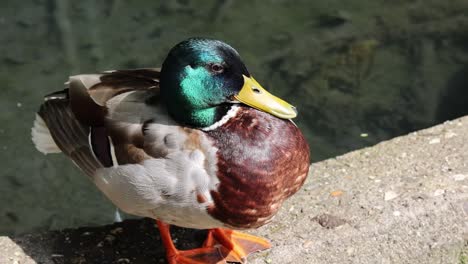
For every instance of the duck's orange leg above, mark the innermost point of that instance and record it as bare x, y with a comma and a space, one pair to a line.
192, 256
221, 246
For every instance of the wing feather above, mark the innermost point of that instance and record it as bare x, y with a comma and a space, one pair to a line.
78, 122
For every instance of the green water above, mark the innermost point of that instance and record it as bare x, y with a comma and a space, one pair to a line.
359, 72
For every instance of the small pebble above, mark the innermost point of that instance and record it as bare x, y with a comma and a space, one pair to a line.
434, 141
110, 238
336, 193
396, 213
329, 221
439, 192
117, 230
307, 244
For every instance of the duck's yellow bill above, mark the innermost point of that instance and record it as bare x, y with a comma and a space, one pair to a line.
254, 95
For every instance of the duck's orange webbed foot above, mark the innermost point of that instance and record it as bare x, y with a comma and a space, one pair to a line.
235, 246
221, 246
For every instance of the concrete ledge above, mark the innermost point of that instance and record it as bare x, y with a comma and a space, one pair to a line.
401, 201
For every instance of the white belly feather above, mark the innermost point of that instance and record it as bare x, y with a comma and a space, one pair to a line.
165, 189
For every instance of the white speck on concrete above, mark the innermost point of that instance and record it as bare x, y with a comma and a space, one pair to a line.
439, 192
434, 141
396, 213
459, 177
390, 195
450, 134
379, 207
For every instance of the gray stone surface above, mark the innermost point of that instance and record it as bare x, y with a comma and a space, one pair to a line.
401, 201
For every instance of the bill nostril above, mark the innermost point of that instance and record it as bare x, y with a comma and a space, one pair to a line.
256, 90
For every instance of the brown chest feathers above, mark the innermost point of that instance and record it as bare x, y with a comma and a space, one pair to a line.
262, 160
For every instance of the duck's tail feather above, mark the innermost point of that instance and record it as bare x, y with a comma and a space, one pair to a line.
42, 138
56, 129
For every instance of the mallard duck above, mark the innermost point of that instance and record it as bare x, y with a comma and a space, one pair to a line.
198, 143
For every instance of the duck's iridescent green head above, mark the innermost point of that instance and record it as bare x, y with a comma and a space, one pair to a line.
202, 78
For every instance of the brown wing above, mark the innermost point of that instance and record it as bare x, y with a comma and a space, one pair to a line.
76, 116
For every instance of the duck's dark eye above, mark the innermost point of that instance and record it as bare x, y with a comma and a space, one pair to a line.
216, 68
